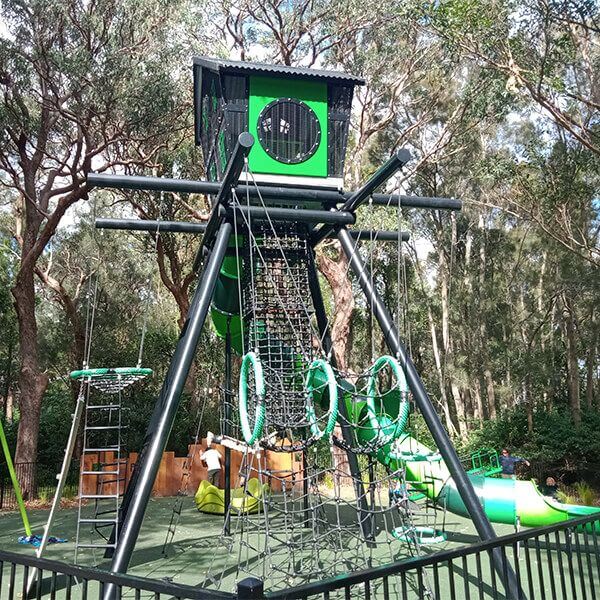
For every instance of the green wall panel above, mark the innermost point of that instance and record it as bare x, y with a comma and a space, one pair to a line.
266, 89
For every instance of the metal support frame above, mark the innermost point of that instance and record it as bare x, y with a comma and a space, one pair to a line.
140, 488
226, 429
378, 235
300, 215
287, 195
233, 171
441, 438
323, 327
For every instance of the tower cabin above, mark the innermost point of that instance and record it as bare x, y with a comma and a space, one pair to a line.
299, 118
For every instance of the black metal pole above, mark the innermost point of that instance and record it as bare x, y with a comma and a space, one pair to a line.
288, 195
323, 327
441, 438
167, 404
299, 215
379, 235
226, 429
395, 162
233, 171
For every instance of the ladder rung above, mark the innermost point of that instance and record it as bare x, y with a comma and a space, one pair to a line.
109, 511
100, 473
97, 521
102, 427
96, 545
99, 496
107, 449
104, 407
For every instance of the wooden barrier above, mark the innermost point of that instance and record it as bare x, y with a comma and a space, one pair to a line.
170, 478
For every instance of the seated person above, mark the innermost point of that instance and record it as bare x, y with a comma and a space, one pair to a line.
550, 488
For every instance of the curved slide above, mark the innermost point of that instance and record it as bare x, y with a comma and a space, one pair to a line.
504, 500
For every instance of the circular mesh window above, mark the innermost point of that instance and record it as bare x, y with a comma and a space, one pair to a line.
289, 130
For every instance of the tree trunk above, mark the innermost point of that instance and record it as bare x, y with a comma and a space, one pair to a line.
440, 375
478, 406
491, 394
460, 410
572, 362
32, 381
589, 379
336, 274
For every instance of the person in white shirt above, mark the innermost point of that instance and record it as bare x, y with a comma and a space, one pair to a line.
212, 458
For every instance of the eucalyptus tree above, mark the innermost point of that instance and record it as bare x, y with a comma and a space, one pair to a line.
84, 86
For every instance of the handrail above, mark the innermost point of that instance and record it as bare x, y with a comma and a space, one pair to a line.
126, 581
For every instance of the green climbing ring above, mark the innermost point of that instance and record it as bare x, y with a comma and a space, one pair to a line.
420, 534
110, 373
252, 434
403, 409
316, 366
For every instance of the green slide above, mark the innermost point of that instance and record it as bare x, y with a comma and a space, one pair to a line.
504, 500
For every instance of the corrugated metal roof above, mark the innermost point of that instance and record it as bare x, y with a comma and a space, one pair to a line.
218, 64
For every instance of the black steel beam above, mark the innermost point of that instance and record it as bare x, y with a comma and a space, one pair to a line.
441, 438
394, 163
233, 171
154, 226
140, 489
226, 428
430, 203
299, 215
378, 235
290, 195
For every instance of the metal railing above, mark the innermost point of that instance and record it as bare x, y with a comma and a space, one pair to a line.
558, 562
60, 580
26, 474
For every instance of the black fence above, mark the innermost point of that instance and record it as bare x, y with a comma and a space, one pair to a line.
26, 474
558, 562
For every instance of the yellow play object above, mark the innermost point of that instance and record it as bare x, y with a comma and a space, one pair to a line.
210, 499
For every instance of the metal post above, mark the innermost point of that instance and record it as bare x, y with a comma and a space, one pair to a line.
226, 429
250, 588
441, 438
233, 170
166, 407
323, 326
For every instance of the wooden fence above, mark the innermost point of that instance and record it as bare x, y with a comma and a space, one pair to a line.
170, 480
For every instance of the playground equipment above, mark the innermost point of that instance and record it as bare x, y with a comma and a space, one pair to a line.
244, 499
273, 202
100, 400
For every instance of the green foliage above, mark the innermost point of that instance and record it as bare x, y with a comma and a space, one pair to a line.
585, 493
554, 441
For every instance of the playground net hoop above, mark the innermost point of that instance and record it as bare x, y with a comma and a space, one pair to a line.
111, 380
